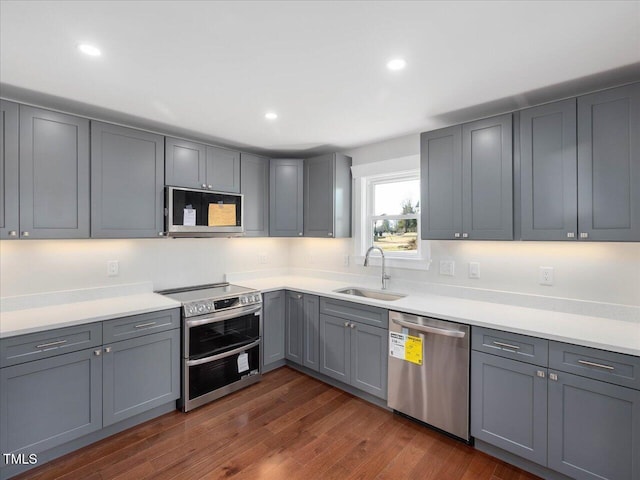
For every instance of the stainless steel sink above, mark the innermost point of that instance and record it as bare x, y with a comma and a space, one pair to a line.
376, 294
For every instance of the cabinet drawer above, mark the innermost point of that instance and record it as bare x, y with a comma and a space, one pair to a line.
35, 346
510, 345
378, 317
610, 367
138, 325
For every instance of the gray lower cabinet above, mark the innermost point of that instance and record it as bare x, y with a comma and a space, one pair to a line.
548, 172
54, 175
327, 196
467, 181
594, 429
140, 374
354, 353
127, 182
294, 327
311, 332
286, 197
185, 163
609, 165
254, 185
273, 327
45, 403
509, 405
9, 196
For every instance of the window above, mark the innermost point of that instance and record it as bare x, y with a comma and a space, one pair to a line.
393, 213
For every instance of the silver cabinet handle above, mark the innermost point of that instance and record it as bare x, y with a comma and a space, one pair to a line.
300, 234
161, 234
508, 345
553, 376
540, 373
204, 185
13, 233
465, 235
142, 325
330, 234
97, 353
107, 350
25, 234
584, 235
571, 234
599, 365
428, 329
51, 344
346, 324
210, 187
353, 325
456, 235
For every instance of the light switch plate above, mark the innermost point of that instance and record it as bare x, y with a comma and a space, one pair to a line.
447, 267
113, 268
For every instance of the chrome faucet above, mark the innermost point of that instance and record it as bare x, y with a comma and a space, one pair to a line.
385, 277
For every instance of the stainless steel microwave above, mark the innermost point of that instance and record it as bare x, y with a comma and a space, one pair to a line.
203, 213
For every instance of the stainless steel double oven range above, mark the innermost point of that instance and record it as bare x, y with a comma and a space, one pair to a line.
221, 347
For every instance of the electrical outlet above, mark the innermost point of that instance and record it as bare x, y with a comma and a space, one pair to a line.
545, 276
262, 258
113, 268
346, 260
447, 267
474, 270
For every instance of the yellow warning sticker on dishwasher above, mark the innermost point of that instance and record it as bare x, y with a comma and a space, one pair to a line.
405, 347
413, 350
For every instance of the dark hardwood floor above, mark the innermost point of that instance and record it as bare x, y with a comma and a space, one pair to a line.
288, 426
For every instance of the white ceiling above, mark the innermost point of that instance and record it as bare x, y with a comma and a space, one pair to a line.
215, 68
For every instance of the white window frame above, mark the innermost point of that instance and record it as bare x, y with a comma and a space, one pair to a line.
364, 218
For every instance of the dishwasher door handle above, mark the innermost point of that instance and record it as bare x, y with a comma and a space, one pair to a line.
428, 329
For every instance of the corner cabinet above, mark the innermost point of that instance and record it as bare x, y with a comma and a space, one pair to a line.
127, 182
286, 198
273, 329
302, 329
327, 196
467, 181
254, 185
9, 196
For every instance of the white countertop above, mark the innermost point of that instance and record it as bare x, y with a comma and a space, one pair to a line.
604, 333
53, 314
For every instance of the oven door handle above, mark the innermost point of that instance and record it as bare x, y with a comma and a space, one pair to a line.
218, 317
193, 363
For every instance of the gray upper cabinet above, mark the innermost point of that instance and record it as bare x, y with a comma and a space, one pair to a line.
548, 172
127, 182
327, 196
487, 179
54, 175
223, 169
185, 163
467, 181
9, 199
273, 313
254, 185
286, 198
441, 183
609, 165
294, 325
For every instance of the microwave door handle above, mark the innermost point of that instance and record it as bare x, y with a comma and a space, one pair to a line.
193, 363
218, 317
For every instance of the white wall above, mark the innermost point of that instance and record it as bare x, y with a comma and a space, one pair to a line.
36, 266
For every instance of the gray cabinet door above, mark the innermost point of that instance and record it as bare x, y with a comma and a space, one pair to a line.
49, 402
9, 199
185, 163
594, 429
140, 374
319, 175
609, 165
254, 185
294, 325
127, 182
273, 307
441, 183
335, 348
9, 220
223, 169
509, 405
369, 359
286, 198
487, 179
54, 175
311, 331
548, 172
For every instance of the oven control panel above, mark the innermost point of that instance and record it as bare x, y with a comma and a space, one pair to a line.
204, 307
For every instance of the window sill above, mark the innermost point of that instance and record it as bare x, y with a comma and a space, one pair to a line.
422, 263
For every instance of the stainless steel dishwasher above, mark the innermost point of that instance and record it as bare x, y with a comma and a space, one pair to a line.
429, 371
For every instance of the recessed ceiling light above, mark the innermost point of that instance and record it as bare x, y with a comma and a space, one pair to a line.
89, 50
396, 64
270, 115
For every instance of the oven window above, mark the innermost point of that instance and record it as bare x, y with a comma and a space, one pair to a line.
216, 374
218, 337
